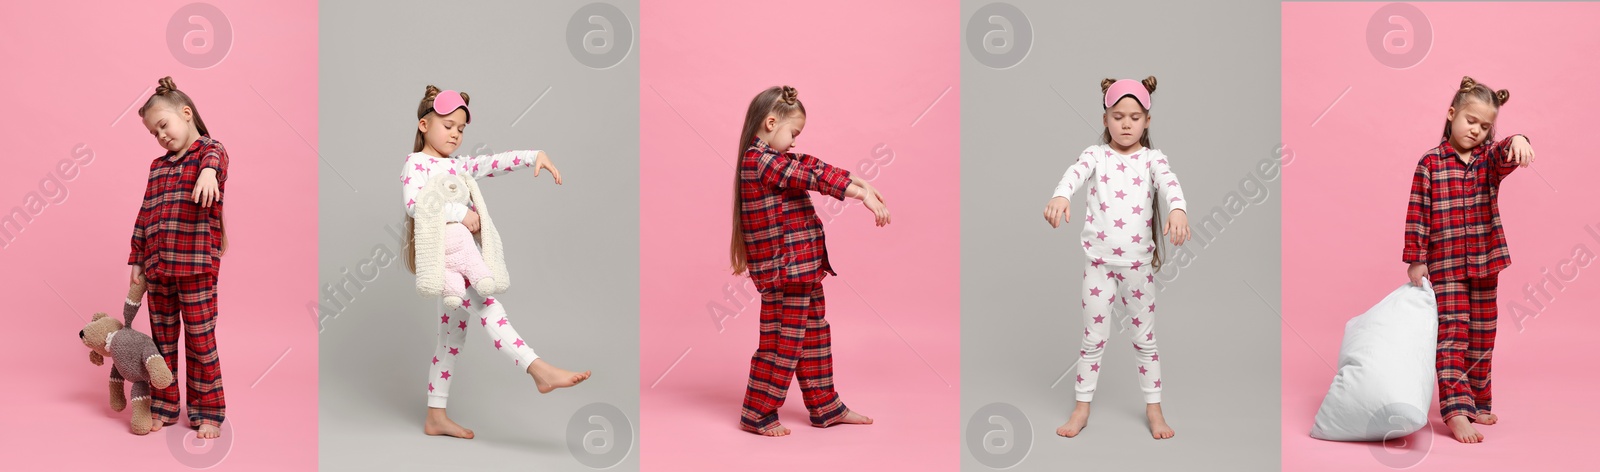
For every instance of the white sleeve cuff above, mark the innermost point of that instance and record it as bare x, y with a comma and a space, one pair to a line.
454, 212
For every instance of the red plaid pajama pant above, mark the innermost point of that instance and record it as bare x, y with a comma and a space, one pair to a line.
794, 343
191, 302
1467, 318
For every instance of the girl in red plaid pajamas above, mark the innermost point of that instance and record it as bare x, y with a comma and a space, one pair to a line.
778, 238
1130, 184
1453, 238
442, 118
178, 243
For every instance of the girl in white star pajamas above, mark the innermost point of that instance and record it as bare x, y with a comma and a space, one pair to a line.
442, 118
1119, 242
485, 312
1130, 185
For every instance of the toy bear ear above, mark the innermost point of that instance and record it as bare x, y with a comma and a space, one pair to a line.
97, 316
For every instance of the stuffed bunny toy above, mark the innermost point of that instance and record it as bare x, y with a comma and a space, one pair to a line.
134, 358
447, 253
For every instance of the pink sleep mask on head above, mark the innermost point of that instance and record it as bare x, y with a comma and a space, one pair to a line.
1126, 88
448, 101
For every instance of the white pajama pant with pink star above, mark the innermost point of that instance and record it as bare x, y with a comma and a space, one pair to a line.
475, 310
1119, 295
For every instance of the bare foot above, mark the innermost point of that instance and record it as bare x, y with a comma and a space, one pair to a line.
206, 431
1076, 423
438, 424
1158, 423
1485, 417
851, 417
155, 425
775, 431
1462, 428
548, 377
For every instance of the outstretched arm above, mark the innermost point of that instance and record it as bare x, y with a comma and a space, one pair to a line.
1171, 194
1507, 155
1167, 186
488, 165
802, 171
213, 171
1059, 209
1076, 175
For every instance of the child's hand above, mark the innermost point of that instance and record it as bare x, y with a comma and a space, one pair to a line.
880, 212
1417, 271
863, 189
542, 161
136, 277
1521, 151
874, 191
205, 188
1058, 211
1177, 226
471, 221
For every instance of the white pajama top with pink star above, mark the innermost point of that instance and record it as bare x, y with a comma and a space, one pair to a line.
1118, 223
420, 166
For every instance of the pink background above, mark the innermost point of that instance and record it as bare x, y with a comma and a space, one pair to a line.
700, 65
1345, 198
76, 73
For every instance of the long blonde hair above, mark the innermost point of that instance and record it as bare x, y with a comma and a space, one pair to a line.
781, 101
423, 109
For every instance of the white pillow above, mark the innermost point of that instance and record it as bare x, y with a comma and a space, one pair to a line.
1386, 380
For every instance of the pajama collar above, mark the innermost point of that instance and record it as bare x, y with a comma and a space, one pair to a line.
762, 145
1447, 150
172, 156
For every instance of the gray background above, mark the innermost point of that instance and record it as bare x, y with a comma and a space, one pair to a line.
1216, 115
573, 249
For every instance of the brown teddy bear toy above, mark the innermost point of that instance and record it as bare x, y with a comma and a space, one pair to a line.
133, 356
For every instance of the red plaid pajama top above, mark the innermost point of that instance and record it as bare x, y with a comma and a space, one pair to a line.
782, 234
173, 236
1453, 220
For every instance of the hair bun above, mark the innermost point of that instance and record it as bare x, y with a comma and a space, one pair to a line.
430, 92
1149, 84
1105, 84
1502, 96
164, 85
1467, 84
790, 95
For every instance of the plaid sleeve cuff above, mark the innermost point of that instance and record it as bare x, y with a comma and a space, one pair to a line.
837, 181
1414, 255
216, 159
